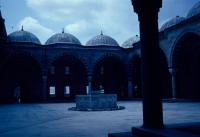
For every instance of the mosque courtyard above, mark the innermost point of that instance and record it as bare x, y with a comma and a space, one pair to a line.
55, 120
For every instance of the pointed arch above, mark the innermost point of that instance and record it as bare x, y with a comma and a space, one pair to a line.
109, 72
185, 59
68, 75
24, 72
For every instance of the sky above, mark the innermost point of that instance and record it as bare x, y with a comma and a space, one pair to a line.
83, 18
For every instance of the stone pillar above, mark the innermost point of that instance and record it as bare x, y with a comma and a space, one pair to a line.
89, 84
130, 88
152, 100
44, 79
173, 76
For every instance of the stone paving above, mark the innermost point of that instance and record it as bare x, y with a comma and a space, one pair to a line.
55, 120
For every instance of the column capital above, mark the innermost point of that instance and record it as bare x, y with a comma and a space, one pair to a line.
173, 71
44, 77
89, 77
146, 6
44, 72
130, 78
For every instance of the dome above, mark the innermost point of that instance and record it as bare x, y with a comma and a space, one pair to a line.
171, 22
194, 10
129, 43
23, 36
102, 40
63, 38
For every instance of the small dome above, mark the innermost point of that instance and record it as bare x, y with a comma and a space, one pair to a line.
23, 36
194, 10
102, 40
129, 43
171, 22
63, 38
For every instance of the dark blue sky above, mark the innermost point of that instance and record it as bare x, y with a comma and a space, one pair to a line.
82, 18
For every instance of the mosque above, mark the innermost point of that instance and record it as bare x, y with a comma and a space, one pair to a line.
64, 67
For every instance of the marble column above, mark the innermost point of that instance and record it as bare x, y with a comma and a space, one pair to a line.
173, 77
130, 88
89, 85
152, 100
44, 79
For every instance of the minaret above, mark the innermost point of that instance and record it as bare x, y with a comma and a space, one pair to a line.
3, 34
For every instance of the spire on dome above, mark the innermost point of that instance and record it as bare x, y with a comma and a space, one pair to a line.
101, 32
63, 30
22, 29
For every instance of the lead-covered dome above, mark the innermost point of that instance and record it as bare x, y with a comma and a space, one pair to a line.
102, 40
129, 43
63, 37
194, 10
171, 22
23, 36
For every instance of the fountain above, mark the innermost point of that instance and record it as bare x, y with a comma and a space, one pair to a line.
96, 101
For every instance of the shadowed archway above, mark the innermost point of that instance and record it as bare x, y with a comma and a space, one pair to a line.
67, 77
186, 60
109, 74
136, 77
21, 74
165, 80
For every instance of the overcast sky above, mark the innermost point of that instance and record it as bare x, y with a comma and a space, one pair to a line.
82, 18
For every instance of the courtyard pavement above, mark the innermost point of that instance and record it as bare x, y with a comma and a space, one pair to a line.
55, 120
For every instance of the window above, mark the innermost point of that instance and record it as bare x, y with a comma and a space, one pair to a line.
67, 70
52, 91
52, 70
67, 91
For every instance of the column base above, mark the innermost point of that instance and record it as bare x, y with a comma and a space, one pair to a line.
174, 130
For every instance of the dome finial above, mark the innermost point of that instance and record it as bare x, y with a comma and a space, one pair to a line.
101, 32
22, 29
63, 30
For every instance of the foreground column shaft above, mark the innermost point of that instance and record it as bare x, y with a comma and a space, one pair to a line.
152, 103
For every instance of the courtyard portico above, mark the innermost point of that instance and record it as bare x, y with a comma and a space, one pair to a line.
64, 67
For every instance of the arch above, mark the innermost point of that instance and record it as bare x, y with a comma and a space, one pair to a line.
76, 57
23, 73
105, 55
68, 77
109, 73
185, 60
176, 41
136, 73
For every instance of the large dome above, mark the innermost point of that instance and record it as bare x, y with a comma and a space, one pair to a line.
63, 38
171, 22
194, 10
23, 36
102, 40
129, 43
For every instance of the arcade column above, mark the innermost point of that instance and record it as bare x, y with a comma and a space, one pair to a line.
173, 72
152, 100
130, 87
44, 79
89, 84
